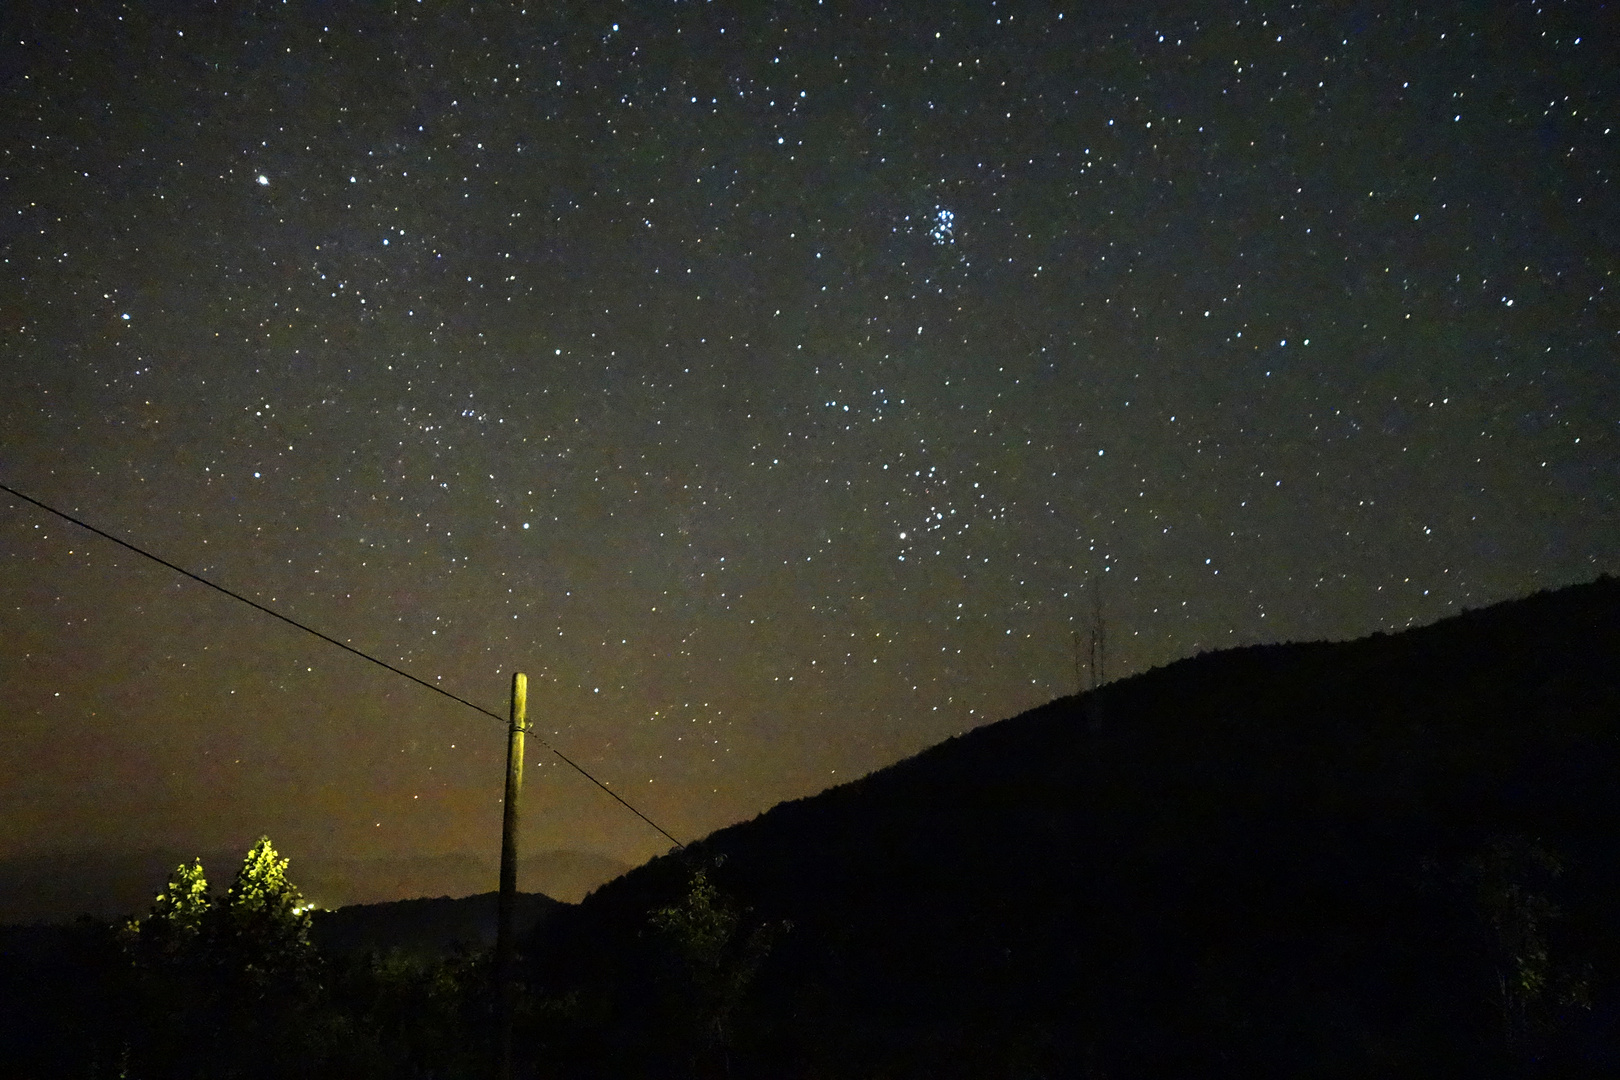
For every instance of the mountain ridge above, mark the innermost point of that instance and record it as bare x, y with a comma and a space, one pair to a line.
1295, 839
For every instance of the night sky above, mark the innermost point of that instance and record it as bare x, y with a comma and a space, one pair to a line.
773, 383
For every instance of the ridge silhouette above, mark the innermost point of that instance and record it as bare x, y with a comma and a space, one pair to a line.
1294, 859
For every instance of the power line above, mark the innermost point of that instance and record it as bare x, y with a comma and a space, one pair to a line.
564, 758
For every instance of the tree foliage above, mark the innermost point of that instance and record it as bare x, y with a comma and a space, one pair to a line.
183, 904
225, 984
263, 924
173, 932
1514, 878
700, 925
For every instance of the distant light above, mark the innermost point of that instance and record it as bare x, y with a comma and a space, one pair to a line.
125, 316
264, 181
525, 524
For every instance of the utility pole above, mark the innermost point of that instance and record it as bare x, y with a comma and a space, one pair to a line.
505, 946
1079, 680
1099, 636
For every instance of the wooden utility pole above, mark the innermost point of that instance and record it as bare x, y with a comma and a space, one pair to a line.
1079, 680
505, 946
1099, 636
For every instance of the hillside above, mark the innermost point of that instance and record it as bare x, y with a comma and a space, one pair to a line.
1392, 856
426, 926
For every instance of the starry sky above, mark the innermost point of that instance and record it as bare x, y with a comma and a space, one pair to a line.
782, 386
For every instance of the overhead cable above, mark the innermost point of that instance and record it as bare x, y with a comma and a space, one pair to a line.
564, 758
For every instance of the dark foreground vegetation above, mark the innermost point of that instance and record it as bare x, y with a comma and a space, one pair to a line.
1398, 856
253, 983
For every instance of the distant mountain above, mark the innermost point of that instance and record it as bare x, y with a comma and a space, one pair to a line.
424, 926
1397, 856
566, 875
60, 886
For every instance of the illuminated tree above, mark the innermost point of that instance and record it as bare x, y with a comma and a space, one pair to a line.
265, 921
173, 931
184, 902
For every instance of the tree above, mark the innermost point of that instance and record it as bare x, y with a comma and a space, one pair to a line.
226, 985
173, 1008
702, 928
183, 904
1514, 878
263, 929
173, 931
